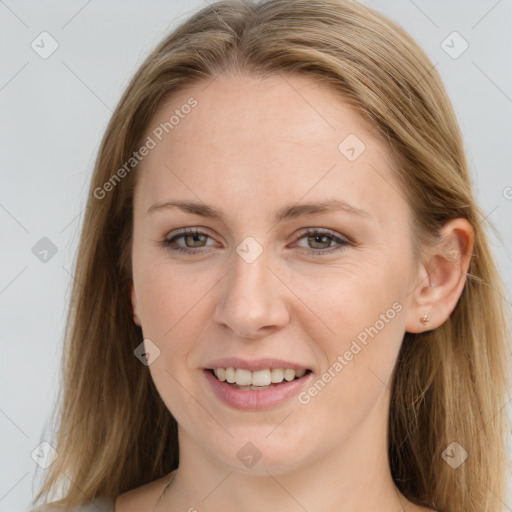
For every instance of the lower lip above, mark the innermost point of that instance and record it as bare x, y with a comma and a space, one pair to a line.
258, 399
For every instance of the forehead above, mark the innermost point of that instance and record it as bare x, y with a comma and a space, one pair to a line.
265, 139
277, 111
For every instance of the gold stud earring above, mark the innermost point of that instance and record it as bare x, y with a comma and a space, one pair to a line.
425, 319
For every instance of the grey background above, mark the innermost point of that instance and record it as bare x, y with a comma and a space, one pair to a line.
54, 112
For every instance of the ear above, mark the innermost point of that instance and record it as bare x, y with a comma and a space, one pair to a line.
134, 306
442, 277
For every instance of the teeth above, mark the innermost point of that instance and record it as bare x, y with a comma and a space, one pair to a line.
277, 375
260, 378
221, 374
243, 377
230, 375
289, 374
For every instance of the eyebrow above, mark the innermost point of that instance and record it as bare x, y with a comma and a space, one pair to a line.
291, 211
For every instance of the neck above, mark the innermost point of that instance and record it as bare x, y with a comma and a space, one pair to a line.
353, 476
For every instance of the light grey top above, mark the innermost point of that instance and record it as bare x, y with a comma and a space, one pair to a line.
96, 505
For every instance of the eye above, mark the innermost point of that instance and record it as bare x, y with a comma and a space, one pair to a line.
320, 240
192, 237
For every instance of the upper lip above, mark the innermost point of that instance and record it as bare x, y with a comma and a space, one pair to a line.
253, 365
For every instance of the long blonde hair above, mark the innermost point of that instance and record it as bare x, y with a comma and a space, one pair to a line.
114, 431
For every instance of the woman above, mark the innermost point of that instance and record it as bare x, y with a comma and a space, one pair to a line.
283, 273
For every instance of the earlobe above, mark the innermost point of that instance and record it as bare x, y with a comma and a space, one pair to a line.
443, 277
134, 306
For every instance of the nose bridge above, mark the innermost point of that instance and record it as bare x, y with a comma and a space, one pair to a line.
252, 296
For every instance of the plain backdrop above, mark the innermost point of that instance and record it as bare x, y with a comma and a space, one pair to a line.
53, 113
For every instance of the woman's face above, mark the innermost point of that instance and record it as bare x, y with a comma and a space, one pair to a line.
255, 287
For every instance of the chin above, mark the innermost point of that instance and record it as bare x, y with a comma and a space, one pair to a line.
264, 451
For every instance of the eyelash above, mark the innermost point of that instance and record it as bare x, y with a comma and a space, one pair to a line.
342, 242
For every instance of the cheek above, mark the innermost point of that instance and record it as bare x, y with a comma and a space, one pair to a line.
168, 298
349, 302
363, 325
172, 310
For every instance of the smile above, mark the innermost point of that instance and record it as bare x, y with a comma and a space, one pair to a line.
259, 379
240, 388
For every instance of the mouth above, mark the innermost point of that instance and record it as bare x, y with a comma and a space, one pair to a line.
240, 388
259, 380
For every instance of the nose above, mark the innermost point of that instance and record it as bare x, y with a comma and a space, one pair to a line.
253, 301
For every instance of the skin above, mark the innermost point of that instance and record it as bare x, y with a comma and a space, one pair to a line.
250, 147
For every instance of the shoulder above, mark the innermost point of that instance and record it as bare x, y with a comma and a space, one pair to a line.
105, 505
141, 499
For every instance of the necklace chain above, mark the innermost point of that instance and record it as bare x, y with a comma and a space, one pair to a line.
166, 488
